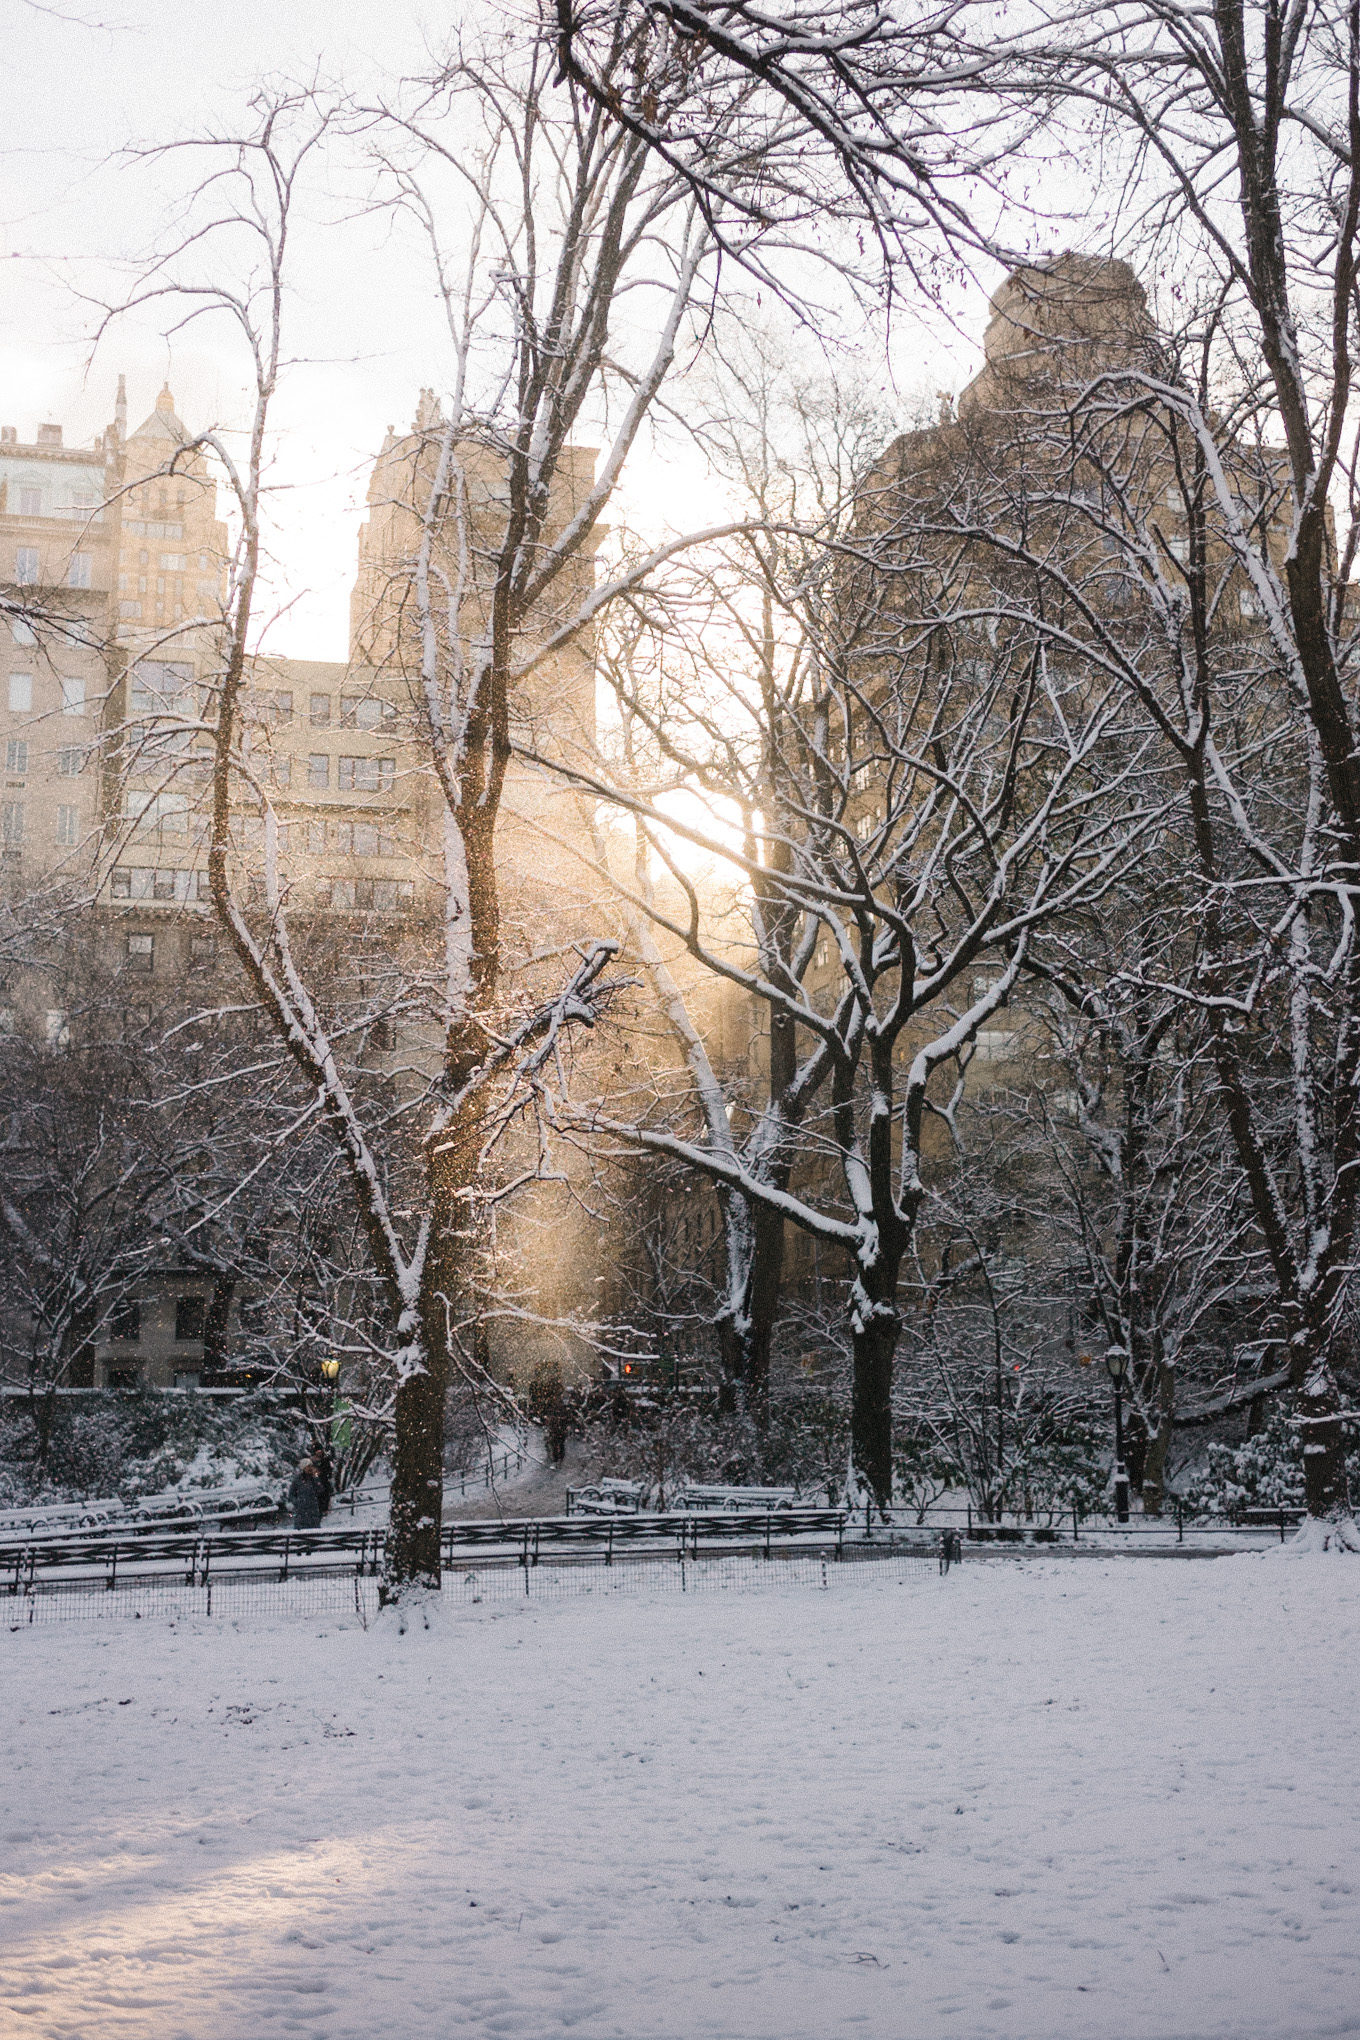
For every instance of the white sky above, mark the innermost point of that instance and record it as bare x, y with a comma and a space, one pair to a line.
71, 204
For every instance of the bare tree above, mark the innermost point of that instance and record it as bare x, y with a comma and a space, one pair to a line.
917, 804
536, 234
1178, 543
858, 115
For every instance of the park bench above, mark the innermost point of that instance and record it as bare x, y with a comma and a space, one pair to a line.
707, 1496
607, 1498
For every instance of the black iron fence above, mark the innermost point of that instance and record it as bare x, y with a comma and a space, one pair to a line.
111, 1564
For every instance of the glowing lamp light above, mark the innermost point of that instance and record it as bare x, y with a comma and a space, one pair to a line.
331, 1369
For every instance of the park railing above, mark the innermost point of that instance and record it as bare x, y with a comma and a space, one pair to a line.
111, 1563
1176, 1524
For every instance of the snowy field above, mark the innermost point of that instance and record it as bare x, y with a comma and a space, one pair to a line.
1106, 1800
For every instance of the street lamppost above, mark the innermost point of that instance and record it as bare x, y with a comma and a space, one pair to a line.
1117, 1364
340, 1428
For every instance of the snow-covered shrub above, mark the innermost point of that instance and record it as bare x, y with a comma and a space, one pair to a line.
808, 1440
1264, 1472
924, 1468
91, 1459
664, 1439
1062, 1462
132, 1445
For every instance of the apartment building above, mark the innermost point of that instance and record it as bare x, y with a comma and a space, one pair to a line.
114, 566
58, 559
554, 710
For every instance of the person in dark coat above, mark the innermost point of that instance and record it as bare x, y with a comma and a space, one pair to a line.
321, 1460
305, 1497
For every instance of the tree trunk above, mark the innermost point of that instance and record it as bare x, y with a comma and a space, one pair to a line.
413, 1554
874, 1337
417, 1507
745, 1338
1159, 1443
1317, 1408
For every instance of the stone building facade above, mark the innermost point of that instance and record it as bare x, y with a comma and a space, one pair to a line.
114, 576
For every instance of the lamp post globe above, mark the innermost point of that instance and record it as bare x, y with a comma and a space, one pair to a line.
1117, 1366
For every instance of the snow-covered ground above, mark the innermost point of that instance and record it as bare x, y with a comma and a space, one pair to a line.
1110, 1801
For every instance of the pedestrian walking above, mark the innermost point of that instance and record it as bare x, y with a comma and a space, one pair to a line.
304, 1497
321, 1460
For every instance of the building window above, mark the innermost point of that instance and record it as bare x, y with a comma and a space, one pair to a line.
120, 1377
190, 1312
30, 502
994, 1046
203, 949
173, 562
126, 1323
55, 1031
73, 697
162, 687
160, 882
68, 827
281, 771
368, 775
320, 711
23, 633
78, 573
316, 839
319, 771
141, 952
16, 756
272, 704
166, 812
252, 834
372, 895
70, 761
364, 712
362, 839
20, 693
6, 1019
12, 824
26, 566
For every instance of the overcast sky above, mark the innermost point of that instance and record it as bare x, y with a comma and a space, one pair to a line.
87, 83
